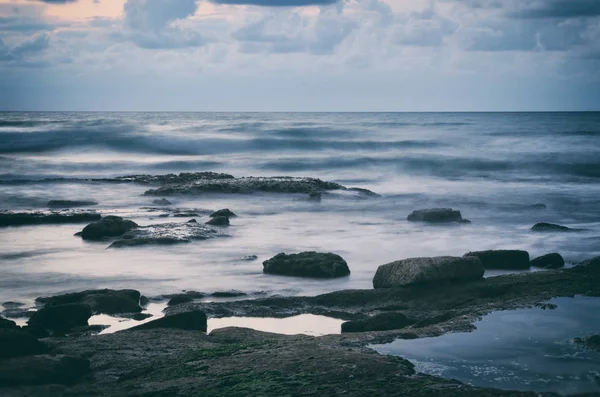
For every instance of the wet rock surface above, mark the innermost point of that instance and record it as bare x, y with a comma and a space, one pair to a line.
179, 299
15, 342
503, 259
41, 370
166, 233
10, 218
162, 201
307, 264
219, 221
592, 342
105, 301
441, 269
7, 324
226, 212
550, 227
107, 227
549, 261
61, 318
436, 215
71, 203
245, 185
183, 177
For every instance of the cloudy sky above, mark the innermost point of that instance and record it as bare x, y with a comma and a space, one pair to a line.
305, 55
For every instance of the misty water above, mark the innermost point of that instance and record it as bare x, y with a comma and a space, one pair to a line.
491, 166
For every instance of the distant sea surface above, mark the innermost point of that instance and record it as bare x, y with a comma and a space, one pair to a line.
493, 167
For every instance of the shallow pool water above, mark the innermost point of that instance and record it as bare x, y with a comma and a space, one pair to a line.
307, 324
528, 350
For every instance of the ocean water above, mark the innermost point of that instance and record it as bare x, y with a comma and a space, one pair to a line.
491, 166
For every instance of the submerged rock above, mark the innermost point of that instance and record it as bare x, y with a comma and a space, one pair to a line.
249, 258
228, 294
179, 299
108, 226
41, 370
307, 264
192, 321
549, 261
219, 221
162, 201
246, 185
9, 218
62, 318
436, 215
441, 269
70, 203
550, 227
503, 259
380, 322
223, 212
592, 342
315, 196
15, 342
166, 233
538, 206
12, 305
105, 301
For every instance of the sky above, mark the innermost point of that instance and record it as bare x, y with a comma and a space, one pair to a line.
300, 55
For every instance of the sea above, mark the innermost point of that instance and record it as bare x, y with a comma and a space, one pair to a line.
496, 168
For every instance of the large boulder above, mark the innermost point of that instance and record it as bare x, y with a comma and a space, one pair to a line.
109, 226
436, 215
433, 270
16, 342
42, 370
105, 301
70, 203
223, 212
307, 264
219, 221
549, 261
503, 259
191, 321
550, 227
380, 322
178, 299
9, 218
62, 318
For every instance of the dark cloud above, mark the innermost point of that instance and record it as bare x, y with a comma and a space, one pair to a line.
21, 52
154, 15
24, 24
557, 9
277, 3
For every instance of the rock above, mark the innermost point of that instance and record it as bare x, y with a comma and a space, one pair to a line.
538, 206
87, 330
441, 269
314, 196
162, 201
503, 259
362, 191
435, 215
549, 261
219, 221
166, 233
192, 321
380, 322
41, 370
228, 294
105, 301
7, 324
12, 305
592, 342
307, 264
183, 177
249, 258
9, 218
179, 299
245, 186
62, 318
223, 212
144, 301
108, 226
549, 227
15, 342
17, 313
70, 203
36, 331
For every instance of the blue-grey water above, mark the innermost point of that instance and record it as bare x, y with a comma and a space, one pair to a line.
528, 350
491, 166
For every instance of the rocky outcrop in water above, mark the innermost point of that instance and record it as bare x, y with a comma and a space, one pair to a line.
219, 221
502, 259
549, 261
550, 227
10, 218
61, 318
162, 201
226, 212
592, 342
166, 233
105, 301
178, 299
379, 322
71, 203
437, 215
107, 227
441, 269
307, 264
183, 177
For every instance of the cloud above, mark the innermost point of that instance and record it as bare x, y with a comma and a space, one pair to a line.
21, 24
277, 3
57, 1
557, 9
21, 53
